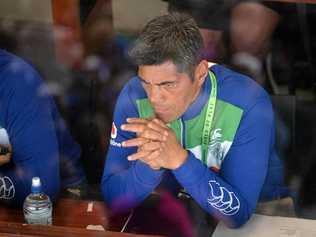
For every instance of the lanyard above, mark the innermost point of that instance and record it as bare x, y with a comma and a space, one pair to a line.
209, 117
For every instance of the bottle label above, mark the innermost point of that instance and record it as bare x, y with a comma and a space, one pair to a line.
43, 218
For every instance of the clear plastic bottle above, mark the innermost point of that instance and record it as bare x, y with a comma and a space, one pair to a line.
37, 206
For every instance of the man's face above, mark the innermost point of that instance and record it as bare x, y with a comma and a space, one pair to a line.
169, 92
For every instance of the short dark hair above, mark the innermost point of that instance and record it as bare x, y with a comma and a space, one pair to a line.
175, 37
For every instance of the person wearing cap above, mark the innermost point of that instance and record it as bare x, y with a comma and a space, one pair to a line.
34, 139
187, 125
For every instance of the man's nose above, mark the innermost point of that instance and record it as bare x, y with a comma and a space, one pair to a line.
155, 95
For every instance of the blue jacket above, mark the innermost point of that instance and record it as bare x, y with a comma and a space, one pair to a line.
248, 168
42, 145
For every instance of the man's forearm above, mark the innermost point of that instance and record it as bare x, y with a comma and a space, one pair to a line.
126, 188
212, 193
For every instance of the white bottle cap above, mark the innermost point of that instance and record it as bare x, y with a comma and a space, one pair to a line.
36, 185
4, 137
36, 182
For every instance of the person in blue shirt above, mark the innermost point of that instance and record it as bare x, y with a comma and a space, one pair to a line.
33, 137
190, 126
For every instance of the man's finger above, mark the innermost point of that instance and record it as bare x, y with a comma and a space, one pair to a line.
160, 122
154, 165
153, 135
150, 146
137, 120
144, 132
133, 127
152, 156
157, 127
135, 142
138, 155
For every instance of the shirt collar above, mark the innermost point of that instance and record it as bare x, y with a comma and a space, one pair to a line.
196, 107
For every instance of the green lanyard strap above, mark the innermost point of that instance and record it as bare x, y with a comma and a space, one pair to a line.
209, 117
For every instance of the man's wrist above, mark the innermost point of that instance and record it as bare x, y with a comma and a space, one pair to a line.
146, 174
182, 157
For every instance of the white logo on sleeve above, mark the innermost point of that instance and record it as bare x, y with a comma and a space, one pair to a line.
224, 201
7, 190
113, 131
113, 136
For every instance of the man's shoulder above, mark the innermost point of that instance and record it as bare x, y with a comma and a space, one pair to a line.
6, 58
13, 61
238, 89
133, 90
15, 71
126, 104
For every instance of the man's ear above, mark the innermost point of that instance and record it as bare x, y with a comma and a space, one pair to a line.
201, 72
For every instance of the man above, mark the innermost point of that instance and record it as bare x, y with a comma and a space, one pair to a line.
184, 123
34, 140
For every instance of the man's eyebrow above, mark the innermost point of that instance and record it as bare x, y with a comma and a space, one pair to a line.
159, 84
143, 80
166, 82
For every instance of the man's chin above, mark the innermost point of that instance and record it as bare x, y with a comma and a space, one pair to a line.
165, 118
162, 118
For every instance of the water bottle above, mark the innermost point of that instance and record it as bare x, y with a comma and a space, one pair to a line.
37, 206
4, 137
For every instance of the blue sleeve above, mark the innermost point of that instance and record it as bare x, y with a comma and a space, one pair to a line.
124, 183
232, 194
32, 135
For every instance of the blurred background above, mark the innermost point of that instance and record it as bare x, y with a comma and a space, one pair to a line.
79, 47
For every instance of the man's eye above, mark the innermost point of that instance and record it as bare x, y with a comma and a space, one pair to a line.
144, 83
170, 85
